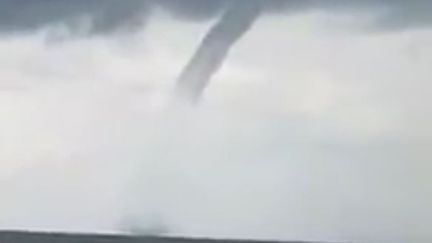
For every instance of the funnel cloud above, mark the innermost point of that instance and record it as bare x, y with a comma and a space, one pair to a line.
237, 20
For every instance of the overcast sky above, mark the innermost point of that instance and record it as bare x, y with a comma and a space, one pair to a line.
316, 128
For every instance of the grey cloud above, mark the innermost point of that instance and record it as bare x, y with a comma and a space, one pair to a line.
193, 9
112, 15
406, 14
106, 16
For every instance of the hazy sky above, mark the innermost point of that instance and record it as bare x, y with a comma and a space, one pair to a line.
315, 129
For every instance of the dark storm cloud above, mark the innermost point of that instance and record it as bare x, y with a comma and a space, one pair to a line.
193, 9
108, 16
390, 14
406, 14
105, 15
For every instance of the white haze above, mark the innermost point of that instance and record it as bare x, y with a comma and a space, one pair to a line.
323, 134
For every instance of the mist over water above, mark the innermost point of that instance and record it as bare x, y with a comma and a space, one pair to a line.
329, 150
